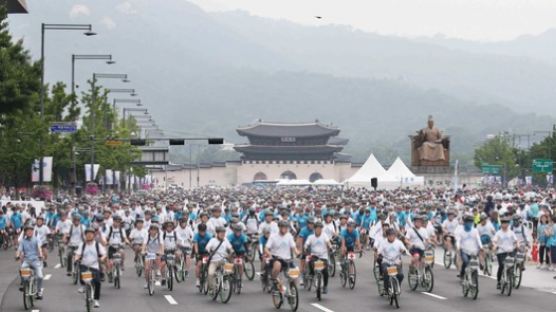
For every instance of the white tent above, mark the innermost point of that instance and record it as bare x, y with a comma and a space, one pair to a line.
331, 182
403, 175
286, 182
372, 169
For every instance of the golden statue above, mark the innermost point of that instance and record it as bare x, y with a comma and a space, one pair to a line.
429, 146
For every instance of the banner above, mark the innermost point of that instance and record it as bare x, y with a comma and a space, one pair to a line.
117, 177
109, 174
528, 180
96, 167
550, 179
46, 169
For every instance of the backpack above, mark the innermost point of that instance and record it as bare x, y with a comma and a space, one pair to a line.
110, 234
175, 237
96, 246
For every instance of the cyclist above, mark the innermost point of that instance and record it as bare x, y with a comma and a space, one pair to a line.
317, 245
240, 243
449, 227
417, 237
73, 238
219, 249
251, 222
170, 240
468, 243
280, 247
350, 239
30, 253
200, 241
91, 254
16, 222
521, 232
265, 266
3, 225
153, 244
268, 223
137, 236
41, 233
301, 238
185, 238
115, 238
391, 251
504, 242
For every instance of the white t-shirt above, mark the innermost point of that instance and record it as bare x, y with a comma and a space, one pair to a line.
138, 236
63, 227
116, 237
281, 246
487, 229
272, 227
318, 245
77, 234
223, 251
329, 229
469, 242
505, 241
41, 233
90, 258
414, 239
185, 236
170, 240
252, 224
450, 226
391, 252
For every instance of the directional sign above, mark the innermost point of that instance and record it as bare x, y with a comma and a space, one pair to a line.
113, 143
491, 169
63, 127
542, 166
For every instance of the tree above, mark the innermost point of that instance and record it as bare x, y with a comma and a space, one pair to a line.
498, 151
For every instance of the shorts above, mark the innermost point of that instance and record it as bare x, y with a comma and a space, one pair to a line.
350, 248
485, 240
419, 251
284, 264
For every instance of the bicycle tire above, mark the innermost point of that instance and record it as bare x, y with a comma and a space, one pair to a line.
117, 277
318, 287
27, 297
430, 286
293, 301
519, 276
277, 298
332, 265
170, 278
413, 274
226, 290
352, 277
447, 259
475, 283
249, 270
88, 298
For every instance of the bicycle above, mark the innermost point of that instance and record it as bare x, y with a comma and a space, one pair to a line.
151, 274
170, 259
307, 277
236, 277
139, 264
203, 279
224, 283
61, 251
253, 247
430, 255
5, 238
87, 278
288, 290
348, 273
249, 269
265, 276
181, 272
29, 287
332, 261
421, 276
507, 279
519, 266
75, 272
319, 266
393, 290
449, 258
470, 282
117, 266
488, 262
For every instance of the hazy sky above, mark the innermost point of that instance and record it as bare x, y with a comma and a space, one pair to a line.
469, 19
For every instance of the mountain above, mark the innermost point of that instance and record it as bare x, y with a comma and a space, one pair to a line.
207, 73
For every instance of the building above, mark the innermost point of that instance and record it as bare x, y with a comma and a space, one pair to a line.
15, 6
273, 151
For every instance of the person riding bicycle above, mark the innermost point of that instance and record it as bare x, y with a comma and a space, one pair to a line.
317, 246
350, 239
154, 245
30, 253
505, 243
170, 240
219, 249
468, 243
280, 247
391, 251
200, 241
449, 227
115, 239
268, 223
74, 236
239, 242
41, 233
90, 255
251, 222
417, 238
185, 238
522, 233
137, 236
301, 239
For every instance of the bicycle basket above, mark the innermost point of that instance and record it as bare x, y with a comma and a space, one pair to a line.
319, 265
87, 277
293, 273
228, 268
509, 261
25, 272
392, 270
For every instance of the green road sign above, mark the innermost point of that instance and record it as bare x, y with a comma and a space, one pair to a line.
542, 166
491, 169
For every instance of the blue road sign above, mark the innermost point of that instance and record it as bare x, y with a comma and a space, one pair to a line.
63, 127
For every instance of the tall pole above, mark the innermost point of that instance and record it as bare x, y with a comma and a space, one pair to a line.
190, 166
93, 135
41, 177
73, 77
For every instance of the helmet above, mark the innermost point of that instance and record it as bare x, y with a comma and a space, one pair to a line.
237, 228
76, 216
220, 229
516, 217
139, 220
483, 216
28, 227
283, 223
117, 218
155, 219
202, 227
267, 213
311, 220
468, 218
351, 223
505, 219
153, 226
41, 217
89, 229
418, 217
234, 220
343, 217
318, 224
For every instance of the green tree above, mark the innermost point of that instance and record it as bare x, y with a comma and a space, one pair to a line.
498, 151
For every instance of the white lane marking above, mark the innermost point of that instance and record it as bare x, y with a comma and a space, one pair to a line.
35, 310
483, 275
318, 306
433, 295
170, 299
57, 266
554, 292
47, 277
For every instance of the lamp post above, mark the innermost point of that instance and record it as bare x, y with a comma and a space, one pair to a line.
91, 57
146, 111
87, 31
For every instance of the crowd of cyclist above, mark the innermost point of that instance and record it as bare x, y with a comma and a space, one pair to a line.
286, 225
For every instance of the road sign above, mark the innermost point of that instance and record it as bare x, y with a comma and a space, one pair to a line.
542, 166
63, 127
113, 143
491, 169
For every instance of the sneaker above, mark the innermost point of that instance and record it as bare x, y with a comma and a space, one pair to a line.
81, 290
68, 273
20, 287
97, 304
539, 266
325, 290
45, 264
39, 295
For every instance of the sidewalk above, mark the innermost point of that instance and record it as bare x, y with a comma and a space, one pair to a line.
8, 270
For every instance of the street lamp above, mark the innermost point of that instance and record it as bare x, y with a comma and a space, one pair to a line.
144, 110
137, 102
96, 57
87, 31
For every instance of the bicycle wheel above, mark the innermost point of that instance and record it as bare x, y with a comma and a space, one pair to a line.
428, 279
308, 283
236, 281
465, 284
139, 266
474, 287
27, 296
75, 275
487, 270
510, 282
293, 297
394, 298
332, 265
413, 278
252, 252
447, 259
170, 278
376, 271
277, 298
150, 282
88, 298
117, 277
225, 290
178, 274
204, 280
343, 275
249, 270
518, 275
318, 286
352, 277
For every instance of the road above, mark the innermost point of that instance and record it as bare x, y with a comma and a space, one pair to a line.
62, 296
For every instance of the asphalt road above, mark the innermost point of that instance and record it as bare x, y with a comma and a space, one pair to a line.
62, 296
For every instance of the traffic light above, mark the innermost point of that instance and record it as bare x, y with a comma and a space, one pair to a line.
177, 142
215, 141
138, 142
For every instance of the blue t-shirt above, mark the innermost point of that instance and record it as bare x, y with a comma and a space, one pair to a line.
202, 241
551, 241
305, 232
402, 217
263, 240
16, 220
3, 222
540, 234
349, 238
238, 242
